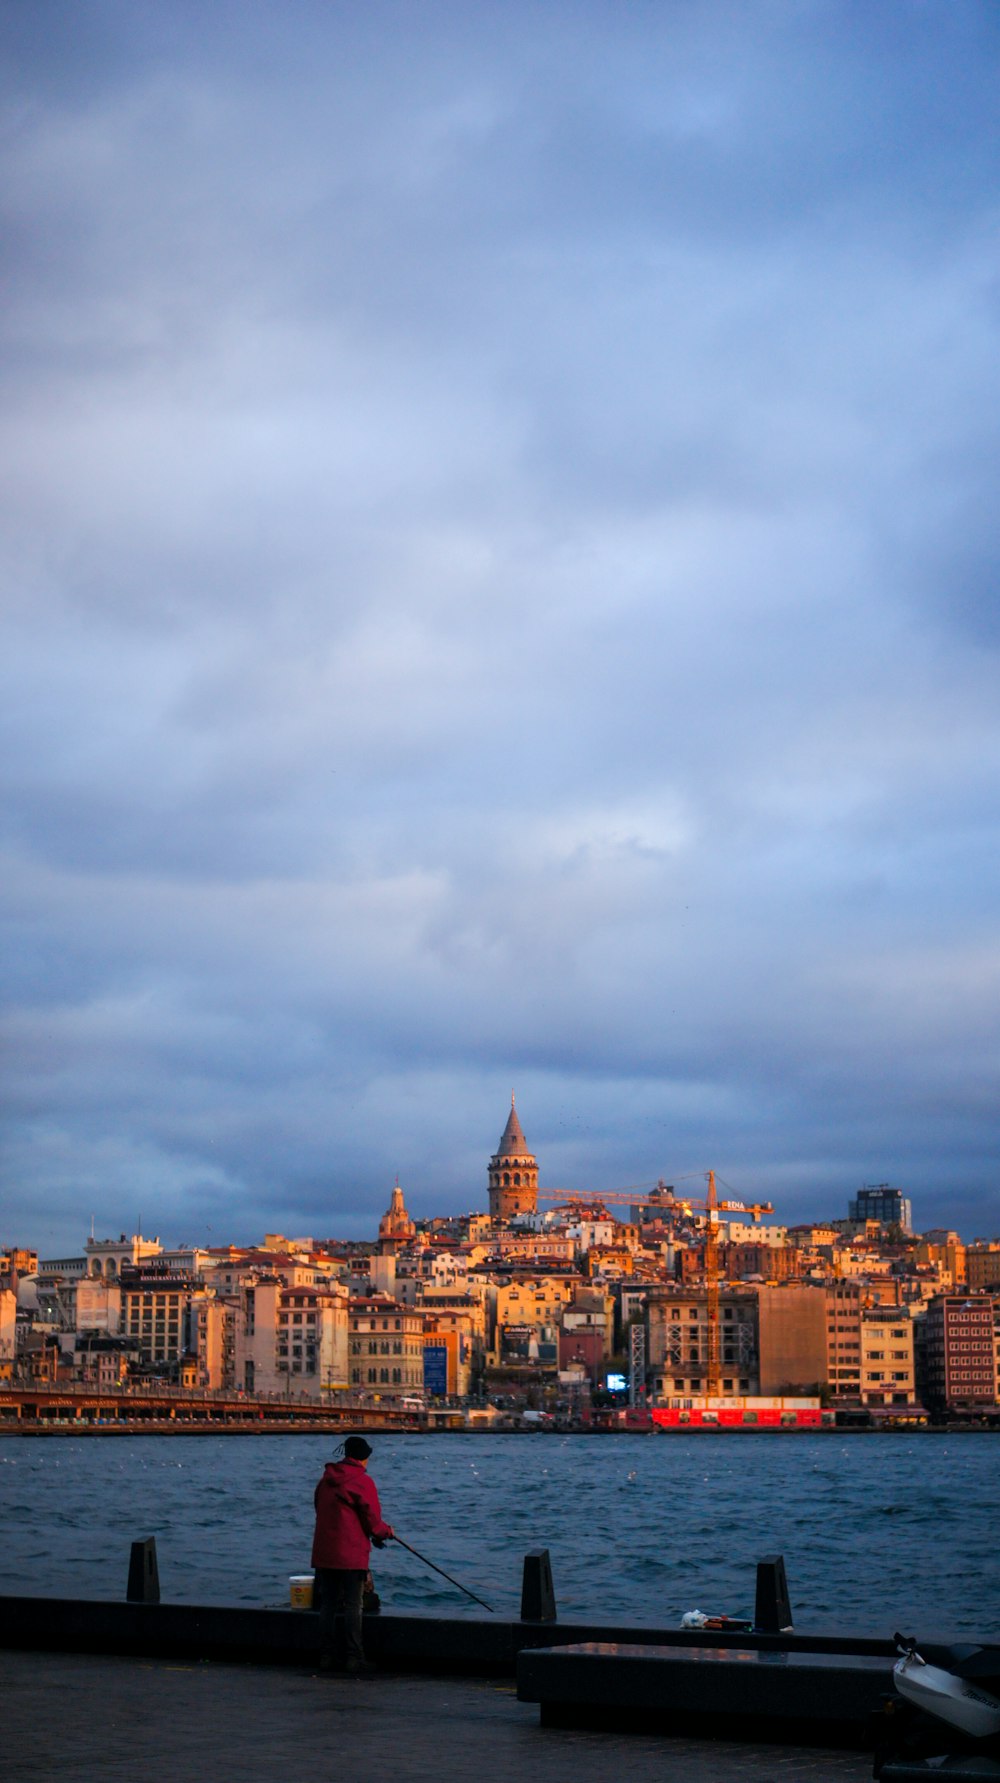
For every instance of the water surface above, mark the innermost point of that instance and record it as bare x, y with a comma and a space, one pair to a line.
877, 1531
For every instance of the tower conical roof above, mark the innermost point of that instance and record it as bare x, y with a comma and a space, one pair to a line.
512, 1141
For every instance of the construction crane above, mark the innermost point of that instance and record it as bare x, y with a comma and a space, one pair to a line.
713, 1371
664, 1196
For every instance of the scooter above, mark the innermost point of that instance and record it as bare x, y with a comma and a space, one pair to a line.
948, 1721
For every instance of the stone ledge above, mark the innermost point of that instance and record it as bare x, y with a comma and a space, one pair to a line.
831, 1697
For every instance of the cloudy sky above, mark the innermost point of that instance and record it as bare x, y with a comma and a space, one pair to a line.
499, 591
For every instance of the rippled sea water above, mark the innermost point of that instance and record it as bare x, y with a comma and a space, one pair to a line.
877, 1531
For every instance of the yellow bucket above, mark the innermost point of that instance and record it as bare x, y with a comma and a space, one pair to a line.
300, 1591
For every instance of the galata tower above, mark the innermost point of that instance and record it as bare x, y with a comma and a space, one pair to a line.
513, 1173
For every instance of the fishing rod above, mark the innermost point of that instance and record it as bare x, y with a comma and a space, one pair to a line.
444, 1575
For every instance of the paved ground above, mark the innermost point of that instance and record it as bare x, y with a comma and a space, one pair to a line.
67, 1719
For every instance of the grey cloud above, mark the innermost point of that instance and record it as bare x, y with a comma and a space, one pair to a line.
497, 561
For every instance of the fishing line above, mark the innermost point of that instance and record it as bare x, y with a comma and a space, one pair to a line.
444, 1575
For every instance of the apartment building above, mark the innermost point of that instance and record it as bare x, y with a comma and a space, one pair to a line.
534, 1299
212, 1340
957, 1365
677, 1341
291, 1340
982, 1263
8, 1326
386, 1347
888, 1374
463, 1318
104, 1362
587, 1332
843, 1339
793, 1355
945, 1254
153, 1313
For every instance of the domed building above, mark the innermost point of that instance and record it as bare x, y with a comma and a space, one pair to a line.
513, 1173
395, 1227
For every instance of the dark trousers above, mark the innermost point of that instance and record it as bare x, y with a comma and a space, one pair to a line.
341, 1594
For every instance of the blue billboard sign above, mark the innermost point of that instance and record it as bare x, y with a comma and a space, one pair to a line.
436, 1370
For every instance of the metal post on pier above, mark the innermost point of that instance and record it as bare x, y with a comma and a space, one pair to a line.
538, 1598
143, 1573
772, 1609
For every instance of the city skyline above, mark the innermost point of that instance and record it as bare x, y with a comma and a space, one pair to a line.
499, 587
538, 1197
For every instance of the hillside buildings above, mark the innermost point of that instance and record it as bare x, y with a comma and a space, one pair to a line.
535, 1303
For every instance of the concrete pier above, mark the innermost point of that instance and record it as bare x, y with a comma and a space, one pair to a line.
75, 1718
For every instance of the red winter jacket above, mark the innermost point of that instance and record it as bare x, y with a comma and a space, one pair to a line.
348, 1515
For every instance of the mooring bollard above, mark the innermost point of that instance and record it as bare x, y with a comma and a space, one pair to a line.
538, 1598
772, 1610
143, 1576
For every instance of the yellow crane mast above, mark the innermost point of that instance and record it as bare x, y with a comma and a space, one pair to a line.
713, 1372
590, 1206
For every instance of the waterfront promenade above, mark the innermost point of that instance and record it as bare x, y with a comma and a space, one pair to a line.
73, 1719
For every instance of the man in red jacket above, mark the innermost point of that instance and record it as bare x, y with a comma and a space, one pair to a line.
348, 1520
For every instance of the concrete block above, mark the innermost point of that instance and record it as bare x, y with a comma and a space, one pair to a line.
612, 1683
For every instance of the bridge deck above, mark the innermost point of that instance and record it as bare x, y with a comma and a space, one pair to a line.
75, 1407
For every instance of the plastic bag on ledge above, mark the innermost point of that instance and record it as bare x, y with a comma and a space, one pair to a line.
698, 1619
